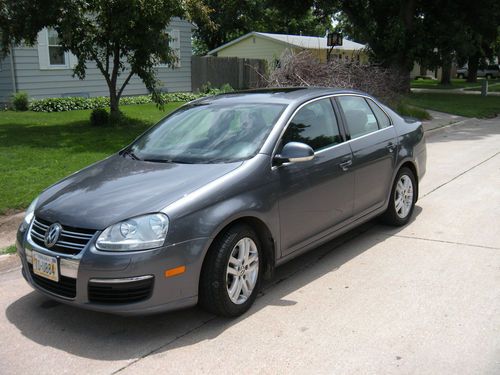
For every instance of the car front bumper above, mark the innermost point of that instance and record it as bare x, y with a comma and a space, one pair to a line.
128, 283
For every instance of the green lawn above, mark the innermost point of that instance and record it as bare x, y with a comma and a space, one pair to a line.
463, 105
38, 149
8, 250
434, 84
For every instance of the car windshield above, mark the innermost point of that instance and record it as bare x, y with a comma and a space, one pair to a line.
208, 133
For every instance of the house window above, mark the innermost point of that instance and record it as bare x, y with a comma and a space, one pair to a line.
57, 56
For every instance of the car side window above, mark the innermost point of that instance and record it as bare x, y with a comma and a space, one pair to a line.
382, 119
359, 116
315, 124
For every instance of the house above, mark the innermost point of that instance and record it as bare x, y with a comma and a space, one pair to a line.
271, 46
45, 70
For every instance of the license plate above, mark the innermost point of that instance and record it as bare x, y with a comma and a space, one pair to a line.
45, 266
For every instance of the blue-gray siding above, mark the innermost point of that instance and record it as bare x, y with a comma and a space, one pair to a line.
54, 83
5, 80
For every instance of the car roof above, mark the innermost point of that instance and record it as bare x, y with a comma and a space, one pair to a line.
281, 95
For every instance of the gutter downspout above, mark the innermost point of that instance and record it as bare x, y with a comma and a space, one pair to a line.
13, 70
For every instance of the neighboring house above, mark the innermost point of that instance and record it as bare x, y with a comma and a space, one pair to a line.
270, 47
45, 70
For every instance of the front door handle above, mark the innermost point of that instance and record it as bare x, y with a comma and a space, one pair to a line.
391, 147
345, 165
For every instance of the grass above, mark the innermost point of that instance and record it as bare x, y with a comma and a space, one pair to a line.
407, 110
462, 105
38, 149
8, 250
434, 84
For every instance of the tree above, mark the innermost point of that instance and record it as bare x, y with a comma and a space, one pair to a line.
388, 27
122, 37
236, 18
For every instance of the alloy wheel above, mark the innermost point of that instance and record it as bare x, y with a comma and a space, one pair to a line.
242, 270
403, 199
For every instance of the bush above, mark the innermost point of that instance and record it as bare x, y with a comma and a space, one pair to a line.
99, 117
20, 101
77, 103
117, 118
226, 87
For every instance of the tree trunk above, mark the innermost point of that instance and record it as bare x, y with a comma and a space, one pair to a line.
473, 65
114, 101
446, 71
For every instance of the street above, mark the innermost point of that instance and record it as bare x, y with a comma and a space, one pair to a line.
422, 299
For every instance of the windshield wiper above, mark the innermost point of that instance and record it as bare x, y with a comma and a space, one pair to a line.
131, 154
168, 161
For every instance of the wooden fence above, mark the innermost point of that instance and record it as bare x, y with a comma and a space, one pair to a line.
239, 73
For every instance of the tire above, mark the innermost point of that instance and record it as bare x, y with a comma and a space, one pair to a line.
460, 75
488, 76
226, 270
398, 214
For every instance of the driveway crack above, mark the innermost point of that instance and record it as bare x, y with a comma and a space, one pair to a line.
459, 175
159, 348
443, 241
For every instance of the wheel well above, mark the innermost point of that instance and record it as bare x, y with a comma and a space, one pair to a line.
265, 237
412, 168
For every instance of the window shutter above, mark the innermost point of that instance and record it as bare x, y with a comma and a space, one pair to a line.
176, 46
43, 50
73, 60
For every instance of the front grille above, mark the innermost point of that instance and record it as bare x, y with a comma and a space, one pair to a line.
116, 293
66, 287
71, 241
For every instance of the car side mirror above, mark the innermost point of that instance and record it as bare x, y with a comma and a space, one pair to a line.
294, 152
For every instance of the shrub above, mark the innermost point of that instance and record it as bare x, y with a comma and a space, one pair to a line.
20, 101
76, 103
99, 117
226, 87
117, 118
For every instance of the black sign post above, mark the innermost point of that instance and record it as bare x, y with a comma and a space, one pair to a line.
332, 40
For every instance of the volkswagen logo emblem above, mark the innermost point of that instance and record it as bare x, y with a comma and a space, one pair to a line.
52, 235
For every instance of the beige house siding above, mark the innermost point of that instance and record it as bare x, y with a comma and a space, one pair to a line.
255, 47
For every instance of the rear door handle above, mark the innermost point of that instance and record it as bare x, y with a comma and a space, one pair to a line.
390, 146
345, 165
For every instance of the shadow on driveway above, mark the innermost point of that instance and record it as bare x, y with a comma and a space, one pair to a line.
106, 337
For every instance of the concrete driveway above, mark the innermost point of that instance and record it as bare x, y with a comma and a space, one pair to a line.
422, 299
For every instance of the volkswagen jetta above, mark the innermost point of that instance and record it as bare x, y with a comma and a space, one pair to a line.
209, 201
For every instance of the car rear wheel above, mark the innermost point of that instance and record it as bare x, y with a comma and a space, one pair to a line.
488, 76
460, 75
403, 198
231, 272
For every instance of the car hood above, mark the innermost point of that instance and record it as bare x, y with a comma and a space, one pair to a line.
118, 188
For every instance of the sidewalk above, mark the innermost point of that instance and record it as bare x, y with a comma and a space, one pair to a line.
460, 91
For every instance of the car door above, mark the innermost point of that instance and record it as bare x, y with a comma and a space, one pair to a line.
373, 142
316, 195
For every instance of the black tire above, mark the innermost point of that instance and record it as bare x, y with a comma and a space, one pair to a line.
213, 293
488, 76
390, 216
460, 75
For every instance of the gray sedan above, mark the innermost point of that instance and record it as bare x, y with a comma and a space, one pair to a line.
209, 201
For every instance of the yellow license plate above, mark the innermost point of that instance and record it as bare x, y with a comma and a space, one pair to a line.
45, 266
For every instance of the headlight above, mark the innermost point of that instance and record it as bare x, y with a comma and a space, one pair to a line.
30, 213
138, 233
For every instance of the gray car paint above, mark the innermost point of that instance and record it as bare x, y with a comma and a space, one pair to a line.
202, 200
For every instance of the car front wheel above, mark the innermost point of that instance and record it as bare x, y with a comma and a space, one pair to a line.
231, 272
403, 198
